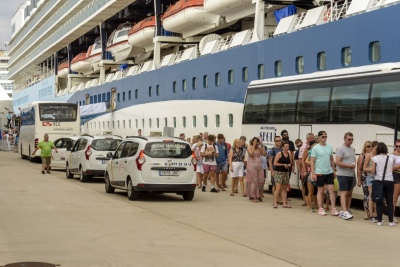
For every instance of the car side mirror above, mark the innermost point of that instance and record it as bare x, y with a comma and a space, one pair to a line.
109, 155
69, 148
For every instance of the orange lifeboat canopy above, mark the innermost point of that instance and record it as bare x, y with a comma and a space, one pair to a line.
181, 5
63, 65
79, 57
147, 22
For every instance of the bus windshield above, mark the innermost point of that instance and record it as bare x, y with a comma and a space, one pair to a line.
58, 112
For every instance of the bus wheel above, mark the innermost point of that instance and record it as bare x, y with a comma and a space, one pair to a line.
31, 159
22, 155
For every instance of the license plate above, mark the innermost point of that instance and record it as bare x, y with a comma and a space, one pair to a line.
169, 173
104, 161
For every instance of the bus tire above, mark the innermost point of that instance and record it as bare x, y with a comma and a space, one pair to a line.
31, 159
84, 178
22, 155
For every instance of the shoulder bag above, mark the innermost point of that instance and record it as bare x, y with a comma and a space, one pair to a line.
377, 186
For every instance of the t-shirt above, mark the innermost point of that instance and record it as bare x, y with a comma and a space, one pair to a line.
209, 160
223, 155
45, 148
380, 161
348, 156
272, 153
301, 150
322, 155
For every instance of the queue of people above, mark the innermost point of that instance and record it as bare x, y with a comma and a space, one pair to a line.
321, 173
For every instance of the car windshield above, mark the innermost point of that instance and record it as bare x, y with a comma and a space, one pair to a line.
167, 150
108, 144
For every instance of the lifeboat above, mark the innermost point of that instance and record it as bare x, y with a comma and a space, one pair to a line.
93, 55
142, 34
63, 69
232, 10
189, 18
80, 64
118, 43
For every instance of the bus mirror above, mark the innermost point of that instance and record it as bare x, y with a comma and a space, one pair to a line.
109, 155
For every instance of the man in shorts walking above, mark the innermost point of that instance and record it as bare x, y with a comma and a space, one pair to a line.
209, 152
345, 165
322, 166
45, 146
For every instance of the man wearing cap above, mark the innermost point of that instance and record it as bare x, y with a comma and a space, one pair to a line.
322, 166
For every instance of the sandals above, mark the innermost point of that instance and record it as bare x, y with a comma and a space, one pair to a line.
244, 195
286, 207
232, 194
275, 206
236, 191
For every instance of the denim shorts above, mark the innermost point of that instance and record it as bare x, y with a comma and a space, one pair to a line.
369, 180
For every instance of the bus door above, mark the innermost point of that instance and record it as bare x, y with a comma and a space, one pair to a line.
397, 124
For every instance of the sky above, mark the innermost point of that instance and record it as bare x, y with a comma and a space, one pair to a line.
7, 11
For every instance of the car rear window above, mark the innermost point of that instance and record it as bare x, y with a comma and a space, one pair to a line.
107, 144
167, 150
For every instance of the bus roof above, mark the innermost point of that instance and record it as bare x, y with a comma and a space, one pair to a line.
354, 72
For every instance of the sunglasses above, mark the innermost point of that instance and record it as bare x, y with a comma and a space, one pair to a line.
350, 139
299, 146
324, 136
278, 140
370, 146
397, 146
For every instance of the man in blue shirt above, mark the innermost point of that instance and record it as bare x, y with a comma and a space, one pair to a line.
222, 162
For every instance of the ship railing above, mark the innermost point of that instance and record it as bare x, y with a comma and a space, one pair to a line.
168, 60
132, 70
117, 76
360, 6
187, 54
145, 66
109, 77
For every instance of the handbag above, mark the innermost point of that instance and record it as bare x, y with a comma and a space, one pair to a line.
377, 187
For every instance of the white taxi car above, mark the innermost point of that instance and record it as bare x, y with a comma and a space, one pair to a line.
58, 159
154, 164
88, 157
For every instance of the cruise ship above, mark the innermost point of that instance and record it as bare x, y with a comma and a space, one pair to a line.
150, 64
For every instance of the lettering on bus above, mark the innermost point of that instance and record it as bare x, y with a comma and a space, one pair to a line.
50, 123
268, 134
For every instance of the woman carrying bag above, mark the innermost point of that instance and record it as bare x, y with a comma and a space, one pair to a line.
383, 185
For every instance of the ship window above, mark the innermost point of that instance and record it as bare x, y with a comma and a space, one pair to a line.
142, 123
118, 124
346, 56
113, 125
108, 124
217, 121
194, 83
278, 68
184, 121
104, 124
245, 74
108, 97
230, 77
174, 119
123, 124
136, 93
129, 95
91, 100
99, 98
158, 122
130, 124
165, 122
136, 123
123, 96
300, 65
150, 91
184, 86
205, 121
158, 90
230, 119
174, 87
375, 51
95, 99
149, 123
194, 121
321, 61
104, 97
217, 79
261, 71
118, 98
205, 81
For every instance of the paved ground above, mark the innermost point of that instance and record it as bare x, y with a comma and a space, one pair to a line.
47, 218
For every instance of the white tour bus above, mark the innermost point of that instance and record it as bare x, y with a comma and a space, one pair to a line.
362, 100
57, 119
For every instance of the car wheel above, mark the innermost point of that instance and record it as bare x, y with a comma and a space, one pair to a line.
132, 194
109, 188
68, 172
188, 195
84, 178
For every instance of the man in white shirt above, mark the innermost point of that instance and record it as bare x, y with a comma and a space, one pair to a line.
209, 152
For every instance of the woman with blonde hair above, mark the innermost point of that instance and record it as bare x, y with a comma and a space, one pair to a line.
199, 164
362, 176
236, 163
367, 167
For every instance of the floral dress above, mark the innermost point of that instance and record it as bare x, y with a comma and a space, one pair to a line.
255, 175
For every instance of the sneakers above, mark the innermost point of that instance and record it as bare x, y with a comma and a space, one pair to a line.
43, 172
321, 212
334, 212
213, 190
312, 210
203, 188
373, 220
379, 224
346, 215
341, 214
392, 224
